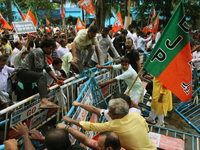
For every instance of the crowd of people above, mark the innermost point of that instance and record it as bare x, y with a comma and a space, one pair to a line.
31, 63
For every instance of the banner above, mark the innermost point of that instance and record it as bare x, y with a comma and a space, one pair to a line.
24, 27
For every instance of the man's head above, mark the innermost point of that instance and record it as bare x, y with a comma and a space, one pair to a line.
129, 43
118, 108
125, 63
104, 32
123, 96
18, 45
92, 31
2, 62
57, 139
131, 28
108, 140
4, 40
47, 46
57, 64
56, 38
63, 42
124, 33
24, 55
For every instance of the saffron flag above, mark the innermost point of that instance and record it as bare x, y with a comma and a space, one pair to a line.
62, 10
153, 13
148, 28
170, 60
87, 5
83, 24
118, 23
79, 25
156, 24
47, 21
4, 22
32, 15
22, 15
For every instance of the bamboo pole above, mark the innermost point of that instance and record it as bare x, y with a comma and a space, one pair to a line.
135, 80
129, 7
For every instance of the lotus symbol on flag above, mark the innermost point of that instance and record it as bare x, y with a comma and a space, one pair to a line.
85, 3
28, 18
117, 21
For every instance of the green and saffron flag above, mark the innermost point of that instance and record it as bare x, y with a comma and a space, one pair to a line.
32, 15
170, 60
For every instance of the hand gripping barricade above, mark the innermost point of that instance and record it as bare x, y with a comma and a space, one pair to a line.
28, 110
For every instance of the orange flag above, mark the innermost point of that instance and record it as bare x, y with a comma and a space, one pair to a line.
87, 5
118, 24
148, 28
83, 24
47, 22
32, 15
79, 25
156, 24
62, 10
4, 23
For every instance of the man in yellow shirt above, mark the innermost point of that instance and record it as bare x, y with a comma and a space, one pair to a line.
132, 128
84, 40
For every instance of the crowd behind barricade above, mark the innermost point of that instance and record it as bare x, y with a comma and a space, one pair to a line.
31, 63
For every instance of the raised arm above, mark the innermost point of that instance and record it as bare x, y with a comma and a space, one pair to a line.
89, 108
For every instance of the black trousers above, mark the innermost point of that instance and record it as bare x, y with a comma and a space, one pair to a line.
27, 77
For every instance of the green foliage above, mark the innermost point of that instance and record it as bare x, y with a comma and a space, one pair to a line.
39, 4
71, 19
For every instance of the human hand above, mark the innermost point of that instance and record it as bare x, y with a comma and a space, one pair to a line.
21, 129
160, 99
94, 18
75, 59
10, 144
60, 82
34, 134
61, 126
66, 119
100, 83
75, 103
98, 66
127, 94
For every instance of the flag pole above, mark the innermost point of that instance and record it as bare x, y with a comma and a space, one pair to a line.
135, 80
129, 7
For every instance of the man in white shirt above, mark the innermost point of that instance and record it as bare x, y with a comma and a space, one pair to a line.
130, 34
135, 38
17, 49
4, 73
158, 34
55, 29
141, 42
104, 42
150, 45
63, 49
55, 67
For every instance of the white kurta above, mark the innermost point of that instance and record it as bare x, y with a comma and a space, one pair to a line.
128, 76
103, 45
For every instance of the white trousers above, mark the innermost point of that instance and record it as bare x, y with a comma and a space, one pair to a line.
152, 116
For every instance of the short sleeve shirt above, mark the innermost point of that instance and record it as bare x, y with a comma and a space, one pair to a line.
82, 40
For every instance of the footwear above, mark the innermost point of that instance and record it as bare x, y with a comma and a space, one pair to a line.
160, 125
49, 105
150, 120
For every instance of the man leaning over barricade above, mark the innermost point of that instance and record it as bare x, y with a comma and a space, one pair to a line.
132, 128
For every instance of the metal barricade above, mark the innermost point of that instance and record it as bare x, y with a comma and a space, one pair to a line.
191, 141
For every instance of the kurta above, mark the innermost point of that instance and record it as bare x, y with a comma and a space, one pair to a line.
128, 76
166, 105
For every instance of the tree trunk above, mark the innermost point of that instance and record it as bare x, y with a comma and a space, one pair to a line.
9, 9
98, 17
102, 14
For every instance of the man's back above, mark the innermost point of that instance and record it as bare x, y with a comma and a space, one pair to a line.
134, 127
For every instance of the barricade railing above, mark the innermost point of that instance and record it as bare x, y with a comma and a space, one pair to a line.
191, 141
61, 93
